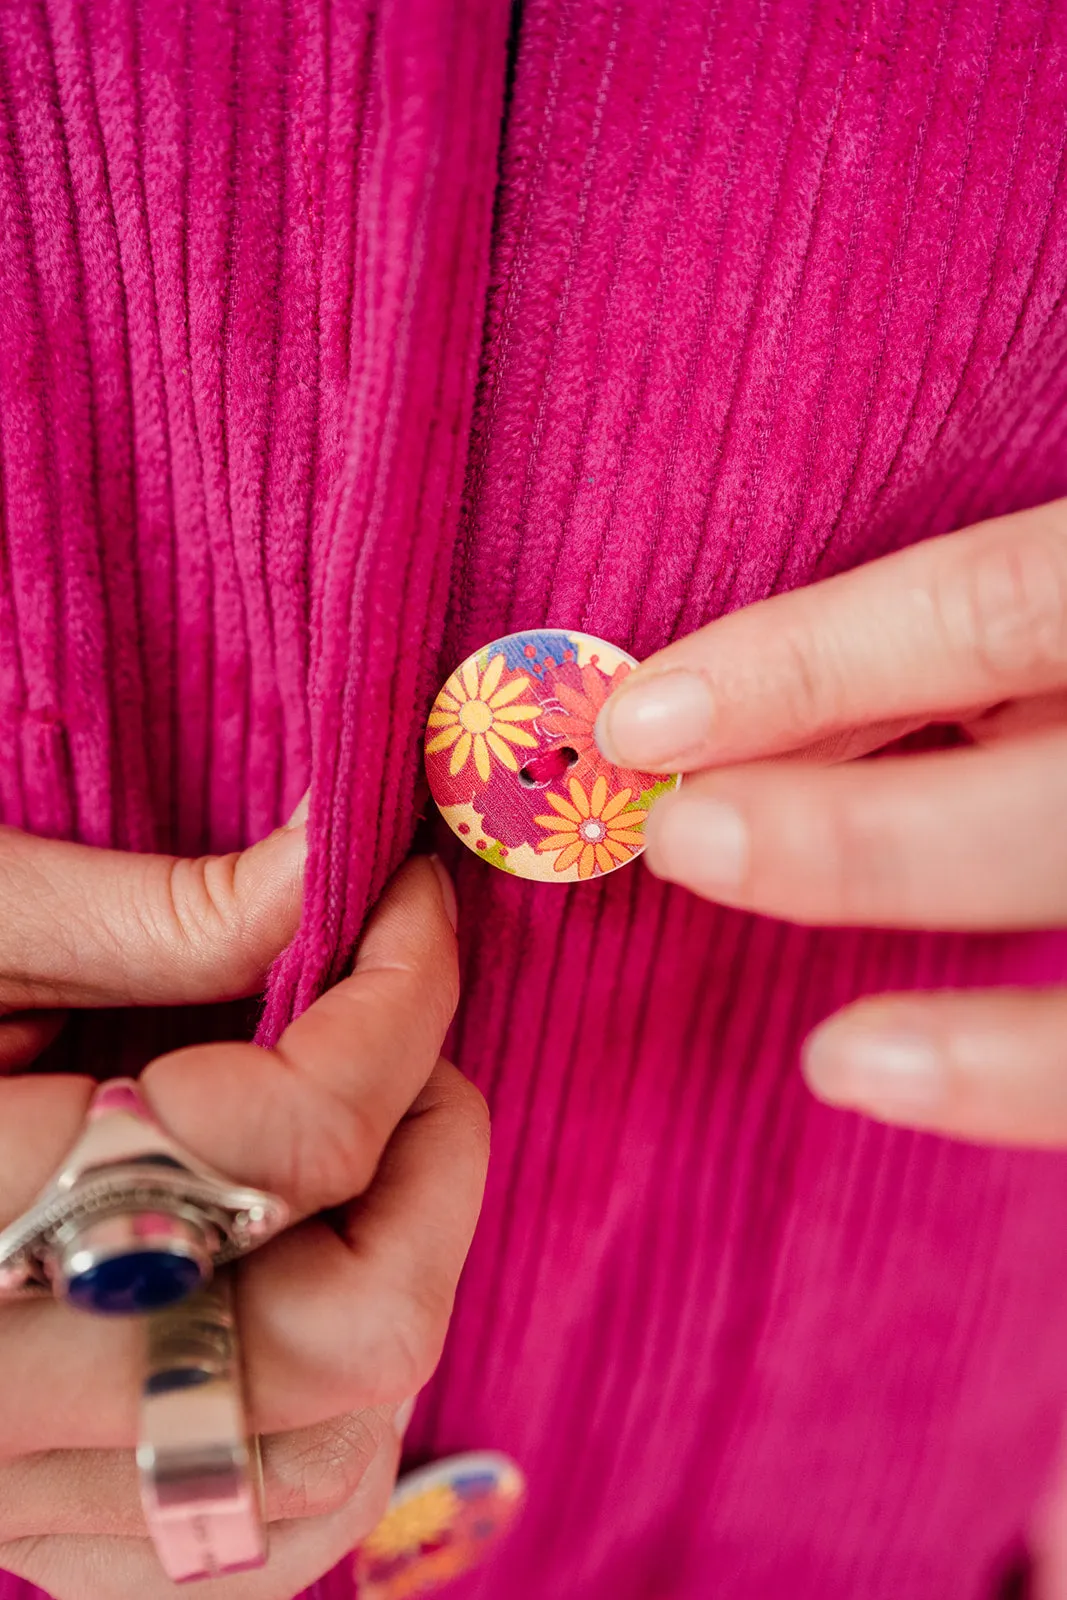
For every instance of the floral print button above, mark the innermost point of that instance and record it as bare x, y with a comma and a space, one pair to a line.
515, 770
442, 1521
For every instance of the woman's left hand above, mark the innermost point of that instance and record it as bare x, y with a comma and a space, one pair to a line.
377, 1144
771, 705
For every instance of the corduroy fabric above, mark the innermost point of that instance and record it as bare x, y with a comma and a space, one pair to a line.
339, 339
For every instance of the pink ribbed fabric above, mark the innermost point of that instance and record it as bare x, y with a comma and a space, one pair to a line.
704, 301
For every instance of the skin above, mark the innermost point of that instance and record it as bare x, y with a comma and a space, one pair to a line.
772, 707
353, 1111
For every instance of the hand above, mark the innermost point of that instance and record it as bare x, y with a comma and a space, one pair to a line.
770, 705
340, 1324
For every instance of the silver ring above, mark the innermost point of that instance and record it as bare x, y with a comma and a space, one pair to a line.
131, 1222
200, 1470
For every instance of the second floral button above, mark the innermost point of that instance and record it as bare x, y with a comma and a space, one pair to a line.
514, 767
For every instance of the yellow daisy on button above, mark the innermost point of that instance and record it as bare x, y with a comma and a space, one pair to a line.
596, 832
420, 1520
477, 714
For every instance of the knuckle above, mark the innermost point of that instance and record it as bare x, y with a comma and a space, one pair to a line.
869, 870
831, 860
476, 1119
448, 1087
478, 1111
807, 685
332, 1154
375, 1493
30, 1557
389, 1353
1005, 604
319, 1470
201, 912
401, 1349
467, 1093
420, 1338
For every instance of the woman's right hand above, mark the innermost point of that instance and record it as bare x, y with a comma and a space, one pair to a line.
353, 1109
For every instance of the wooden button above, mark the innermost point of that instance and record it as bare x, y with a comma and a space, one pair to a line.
443, 1520
515, 769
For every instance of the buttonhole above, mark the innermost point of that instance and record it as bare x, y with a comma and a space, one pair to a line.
542, 769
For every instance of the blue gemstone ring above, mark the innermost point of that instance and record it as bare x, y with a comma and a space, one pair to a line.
131, 1223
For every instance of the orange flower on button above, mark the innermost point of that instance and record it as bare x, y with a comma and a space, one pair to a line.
477, 715
574, 725
597, 832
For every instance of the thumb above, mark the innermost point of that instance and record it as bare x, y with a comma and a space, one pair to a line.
87, 927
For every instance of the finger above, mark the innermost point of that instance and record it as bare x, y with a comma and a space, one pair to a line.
310, 1118
85, 927
25, 1035
307, 1120
1011, 719
109, 1568
1016, 718
41, 1117
972, 618
359, 1317
989, 1067
851, 743
330, 1321
276, 1119
964, 839
307, 1472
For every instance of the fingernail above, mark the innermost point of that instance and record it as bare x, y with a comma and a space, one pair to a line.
650, 723
301, 813
700, 842
853, 1063
403, 1415
448, 892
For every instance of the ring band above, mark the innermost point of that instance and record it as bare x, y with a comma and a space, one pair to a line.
200, 1470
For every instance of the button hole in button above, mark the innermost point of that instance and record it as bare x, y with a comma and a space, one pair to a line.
542, 770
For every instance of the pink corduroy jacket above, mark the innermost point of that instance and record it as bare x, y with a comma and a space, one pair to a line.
340, 337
